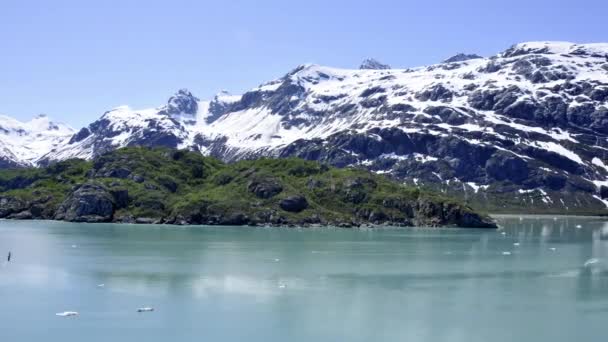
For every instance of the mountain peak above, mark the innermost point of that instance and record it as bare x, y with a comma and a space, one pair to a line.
182, 102
372, 64
557, 48
461, 57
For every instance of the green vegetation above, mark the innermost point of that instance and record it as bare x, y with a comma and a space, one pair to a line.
167, 186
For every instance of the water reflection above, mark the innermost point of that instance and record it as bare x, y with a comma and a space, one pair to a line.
323, 284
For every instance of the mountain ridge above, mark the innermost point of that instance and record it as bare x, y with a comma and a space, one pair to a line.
525, 127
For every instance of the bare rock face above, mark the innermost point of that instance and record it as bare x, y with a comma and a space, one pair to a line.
89, 203
461, 57
434, 213
10, 205
265, 187
294, 203
372, 64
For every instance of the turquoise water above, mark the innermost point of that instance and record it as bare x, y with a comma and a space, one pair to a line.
269, 284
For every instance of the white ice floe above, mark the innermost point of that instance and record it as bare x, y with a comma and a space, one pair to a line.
145, 309
506, 253
516, 244
591, 262
67, 313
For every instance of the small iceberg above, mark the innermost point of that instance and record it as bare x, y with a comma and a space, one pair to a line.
67, 313
516, 244
277, 260
591, 262
578, 226
506, 253
74, 246
282, 286
146, 309
552, 249
503, 233
101, 285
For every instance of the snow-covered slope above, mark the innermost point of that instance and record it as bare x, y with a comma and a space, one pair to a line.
23, 143
528, 126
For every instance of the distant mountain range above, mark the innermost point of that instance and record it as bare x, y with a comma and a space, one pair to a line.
525, 129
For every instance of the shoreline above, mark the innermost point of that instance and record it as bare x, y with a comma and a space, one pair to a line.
288, 226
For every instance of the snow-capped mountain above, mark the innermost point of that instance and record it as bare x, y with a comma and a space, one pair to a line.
23, 143
527, 127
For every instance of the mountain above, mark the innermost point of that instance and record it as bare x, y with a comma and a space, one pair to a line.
524, 130
372, 64
461, 57
23, 143
139, 185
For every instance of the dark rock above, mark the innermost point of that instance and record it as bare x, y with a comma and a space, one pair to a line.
505, 166
234, 219
183, 102
137, 178
168, 182
150, 186
88, 203
11, 205
522, 110
372, 64
437, 92
294, 203
264, 187
604, 192
461, 57
121, 197
490, 67
81, 135
119, 172
372, 91
24, 215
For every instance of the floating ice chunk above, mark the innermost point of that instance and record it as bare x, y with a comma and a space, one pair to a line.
146, 309
591, 262
503, 233
277, 260
516, 244
282, 286
74, 246
552, 249
578, 226
67, 313
506, 253
101, 285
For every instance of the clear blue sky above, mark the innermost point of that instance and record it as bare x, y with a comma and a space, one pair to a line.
74, 59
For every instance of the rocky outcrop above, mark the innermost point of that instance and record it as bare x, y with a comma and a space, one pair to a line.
264, 186
461, 57
434, 213
89, 202
294, 203
372, 64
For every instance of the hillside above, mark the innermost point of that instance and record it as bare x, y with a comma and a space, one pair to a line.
140, 185
523, 130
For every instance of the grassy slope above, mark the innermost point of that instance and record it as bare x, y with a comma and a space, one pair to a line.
180, 183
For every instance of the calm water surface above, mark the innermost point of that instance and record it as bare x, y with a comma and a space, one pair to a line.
256, 284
